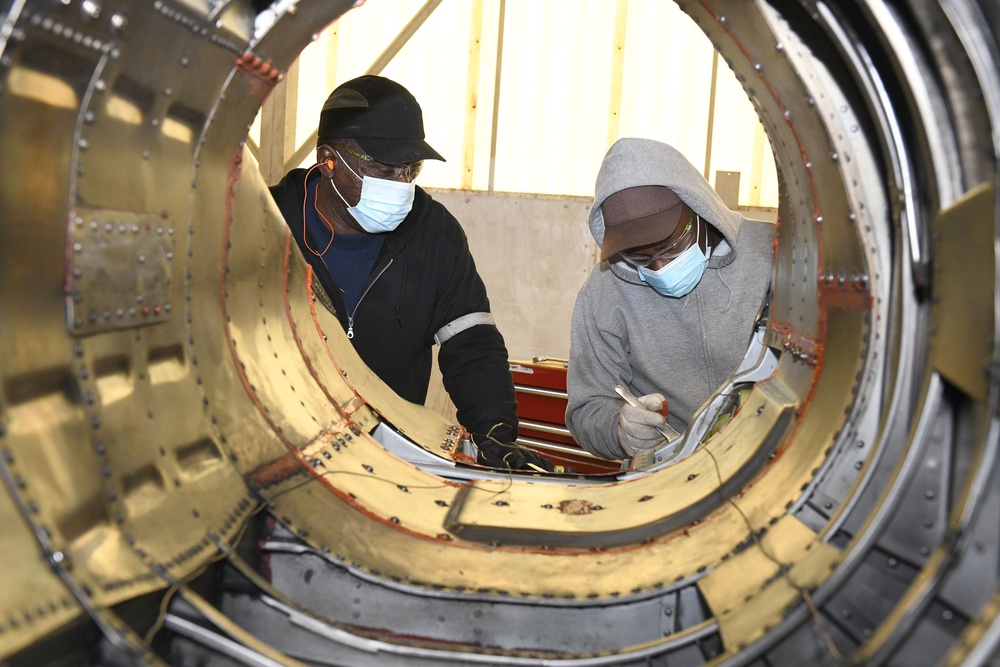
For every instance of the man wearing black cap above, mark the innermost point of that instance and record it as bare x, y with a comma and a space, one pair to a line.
395, 265
669, 311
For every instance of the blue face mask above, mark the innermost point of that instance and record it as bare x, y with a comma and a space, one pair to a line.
680, 276
383, 204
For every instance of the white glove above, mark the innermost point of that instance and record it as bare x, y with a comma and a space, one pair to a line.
638, 428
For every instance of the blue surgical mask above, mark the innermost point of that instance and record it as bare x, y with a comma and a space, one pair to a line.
680, 276
383, 204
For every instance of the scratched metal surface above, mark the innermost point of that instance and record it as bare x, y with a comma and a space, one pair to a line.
185, 432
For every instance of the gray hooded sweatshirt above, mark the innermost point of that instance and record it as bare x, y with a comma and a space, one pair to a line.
624, 332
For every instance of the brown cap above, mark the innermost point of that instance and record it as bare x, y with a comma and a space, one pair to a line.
639, 216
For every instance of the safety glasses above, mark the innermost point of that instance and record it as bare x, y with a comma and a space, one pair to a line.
671, 248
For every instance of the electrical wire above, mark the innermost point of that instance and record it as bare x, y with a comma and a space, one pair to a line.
325, 473
783, 569
177, 584
305, 234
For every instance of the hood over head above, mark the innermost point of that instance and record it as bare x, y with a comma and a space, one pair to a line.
633, 162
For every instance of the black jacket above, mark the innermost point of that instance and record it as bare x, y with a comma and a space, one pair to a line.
424, 278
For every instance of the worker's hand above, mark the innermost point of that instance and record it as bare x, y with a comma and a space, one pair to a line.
638, 427
509, 456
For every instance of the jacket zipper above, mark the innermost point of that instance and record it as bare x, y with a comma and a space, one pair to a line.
350, 317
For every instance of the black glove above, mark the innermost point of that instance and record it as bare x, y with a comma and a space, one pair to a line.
508, 456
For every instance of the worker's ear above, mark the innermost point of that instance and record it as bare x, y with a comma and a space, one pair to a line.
327, 160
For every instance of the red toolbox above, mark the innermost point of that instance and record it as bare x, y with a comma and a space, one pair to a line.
540, 386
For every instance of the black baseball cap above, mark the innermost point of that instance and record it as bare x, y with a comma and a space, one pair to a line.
379, 114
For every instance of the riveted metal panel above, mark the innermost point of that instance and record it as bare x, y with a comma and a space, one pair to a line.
121, 270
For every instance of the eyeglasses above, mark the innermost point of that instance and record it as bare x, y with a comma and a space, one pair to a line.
671, 251
371, 167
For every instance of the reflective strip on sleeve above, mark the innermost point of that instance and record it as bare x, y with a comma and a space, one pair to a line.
462, 323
